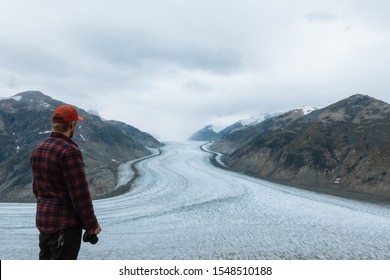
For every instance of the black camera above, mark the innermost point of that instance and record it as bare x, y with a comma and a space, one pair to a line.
91, 238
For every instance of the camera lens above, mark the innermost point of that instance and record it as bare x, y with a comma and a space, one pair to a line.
93, 239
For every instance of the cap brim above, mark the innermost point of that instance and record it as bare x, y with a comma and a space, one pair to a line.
80, 118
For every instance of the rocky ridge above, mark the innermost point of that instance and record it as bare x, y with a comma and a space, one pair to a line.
25, 120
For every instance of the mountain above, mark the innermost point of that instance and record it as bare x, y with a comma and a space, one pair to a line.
25, 121
344, 146
205, 134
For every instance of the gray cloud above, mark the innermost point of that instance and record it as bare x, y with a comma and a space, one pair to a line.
171, 67
317, 16
137, 49
25, 59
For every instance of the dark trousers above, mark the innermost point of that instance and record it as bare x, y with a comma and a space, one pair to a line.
63, 245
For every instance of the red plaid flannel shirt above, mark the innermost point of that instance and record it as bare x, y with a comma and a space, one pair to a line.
60, 186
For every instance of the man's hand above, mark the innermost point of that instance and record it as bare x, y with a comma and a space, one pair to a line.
96, 230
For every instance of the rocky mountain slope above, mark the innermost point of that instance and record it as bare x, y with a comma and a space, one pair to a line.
142, 137
25, 120
344, 146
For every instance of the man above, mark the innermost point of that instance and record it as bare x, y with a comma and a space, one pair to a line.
64, 204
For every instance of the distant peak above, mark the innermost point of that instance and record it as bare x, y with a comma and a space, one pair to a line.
205, 134
31, 93
208, 127
358, 95
359, 99
33, 96
95, 113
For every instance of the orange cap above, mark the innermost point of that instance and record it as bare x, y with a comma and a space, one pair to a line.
65, 113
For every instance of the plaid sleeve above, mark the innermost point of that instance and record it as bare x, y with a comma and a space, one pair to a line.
77, 185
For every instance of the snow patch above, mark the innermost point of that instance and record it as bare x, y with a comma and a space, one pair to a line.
257, 119
16, 98
308, 109
253, 120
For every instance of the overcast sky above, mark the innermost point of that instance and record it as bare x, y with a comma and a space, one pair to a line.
171, 67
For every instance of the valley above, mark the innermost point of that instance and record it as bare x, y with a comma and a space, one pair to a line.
182, 207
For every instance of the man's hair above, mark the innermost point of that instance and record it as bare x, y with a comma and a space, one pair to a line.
61, 127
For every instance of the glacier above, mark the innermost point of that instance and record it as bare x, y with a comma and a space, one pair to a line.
182, 207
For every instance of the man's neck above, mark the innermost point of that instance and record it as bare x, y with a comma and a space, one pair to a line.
67, 133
